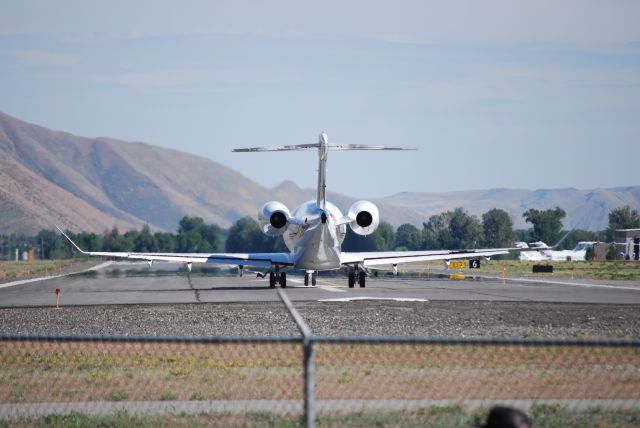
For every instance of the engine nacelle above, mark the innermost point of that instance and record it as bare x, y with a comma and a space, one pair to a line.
365, 217
274, 218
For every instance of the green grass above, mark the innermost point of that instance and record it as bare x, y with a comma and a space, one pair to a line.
119, 395
168, 396
438, 417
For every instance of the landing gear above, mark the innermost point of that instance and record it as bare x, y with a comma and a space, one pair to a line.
352, 279
310, 277
360, 275
272, 280
277, 277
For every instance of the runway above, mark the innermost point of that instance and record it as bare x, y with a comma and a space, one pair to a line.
134, 284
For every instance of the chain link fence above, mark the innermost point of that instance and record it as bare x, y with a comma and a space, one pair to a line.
307, 380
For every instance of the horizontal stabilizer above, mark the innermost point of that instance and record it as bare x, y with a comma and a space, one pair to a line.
318, 145
279, 148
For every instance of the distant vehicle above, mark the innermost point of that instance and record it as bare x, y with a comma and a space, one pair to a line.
544, 252
313, 233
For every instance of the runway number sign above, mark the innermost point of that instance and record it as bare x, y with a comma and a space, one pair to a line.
456, 265
474, 263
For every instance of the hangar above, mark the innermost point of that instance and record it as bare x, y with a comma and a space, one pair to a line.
627, 243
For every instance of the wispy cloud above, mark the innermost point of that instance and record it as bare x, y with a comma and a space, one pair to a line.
188, 78
157, 79
42, 58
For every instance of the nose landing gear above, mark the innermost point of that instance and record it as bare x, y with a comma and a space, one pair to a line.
310, 277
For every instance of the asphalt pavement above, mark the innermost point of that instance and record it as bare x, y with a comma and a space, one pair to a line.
165, 284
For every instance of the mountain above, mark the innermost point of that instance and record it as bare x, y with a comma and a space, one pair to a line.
51, 177
586, 209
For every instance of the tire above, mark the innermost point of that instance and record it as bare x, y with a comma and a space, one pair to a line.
313, 278
352, 279
272, 280
306, 279
362, 277
283, 280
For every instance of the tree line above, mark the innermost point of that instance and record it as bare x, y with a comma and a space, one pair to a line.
454, 229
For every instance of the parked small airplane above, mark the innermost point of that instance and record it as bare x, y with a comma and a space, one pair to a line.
313, 234
541, 251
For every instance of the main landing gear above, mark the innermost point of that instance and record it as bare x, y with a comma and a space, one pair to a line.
310, 277
277, 277
361, 277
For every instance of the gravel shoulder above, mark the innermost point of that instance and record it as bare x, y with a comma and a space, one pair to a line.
364, 318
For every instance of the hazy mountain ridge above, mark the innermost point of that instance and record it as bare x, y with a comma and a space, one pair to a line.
586, 209
52, 177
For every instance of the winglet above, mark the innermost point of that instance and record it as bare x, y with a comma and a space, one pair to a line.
557, 244
72, 243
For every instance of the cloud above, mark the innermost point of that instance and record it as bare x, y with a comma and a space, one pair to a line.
157, 79
42, 58
571, 22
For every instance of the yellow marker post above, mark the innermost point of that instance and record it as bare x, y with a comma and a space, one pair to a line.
57, 298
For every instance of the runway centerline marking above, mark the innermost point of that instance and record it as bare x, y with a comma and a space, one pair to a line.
393, 299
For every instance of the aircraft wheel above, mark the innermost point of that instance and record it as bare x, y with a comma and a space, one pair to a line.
352, 279
313, 278
283, 280
272, 280
306, 279
361, 279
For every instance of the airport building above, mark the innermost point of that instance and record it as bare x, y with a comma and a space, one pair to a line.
627, 243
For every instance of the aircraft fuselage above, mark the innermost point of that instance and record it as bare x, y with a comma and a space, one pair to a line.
315, 237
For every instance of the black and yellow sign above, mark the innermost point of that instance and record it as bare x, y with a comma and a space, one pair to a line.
474, 263
457, 265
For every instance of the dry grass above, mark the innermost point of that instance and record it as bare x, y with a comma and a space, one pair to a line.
606, 270
101, 371
24, 269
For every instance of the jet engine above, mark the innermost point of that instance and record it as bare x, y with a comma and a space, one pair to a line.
365, 217
273, 218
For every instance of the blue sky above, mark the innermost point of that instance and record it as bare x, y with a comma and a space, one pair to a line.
494, 94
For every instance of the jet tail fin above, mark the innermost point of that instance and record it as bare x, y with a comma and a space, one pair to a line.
323, 146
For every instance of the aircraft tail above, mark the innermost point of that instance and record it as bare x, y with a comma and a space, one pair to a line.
318, 146
323, 146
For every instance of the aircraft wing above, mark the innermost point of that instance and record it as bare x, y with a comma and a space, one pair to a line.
244, 259
397, 257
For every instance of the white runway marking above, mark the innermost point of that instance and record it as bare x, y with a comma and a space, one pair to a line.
26, 281
301, 282
394, 299
332, 289
101, 266
556, 282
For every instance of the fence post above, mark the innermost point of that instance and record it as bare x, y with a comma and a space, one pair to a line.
309, 390
309, 361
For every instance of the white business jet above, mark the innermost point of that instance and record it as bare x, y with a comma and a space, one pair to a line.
313, 233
